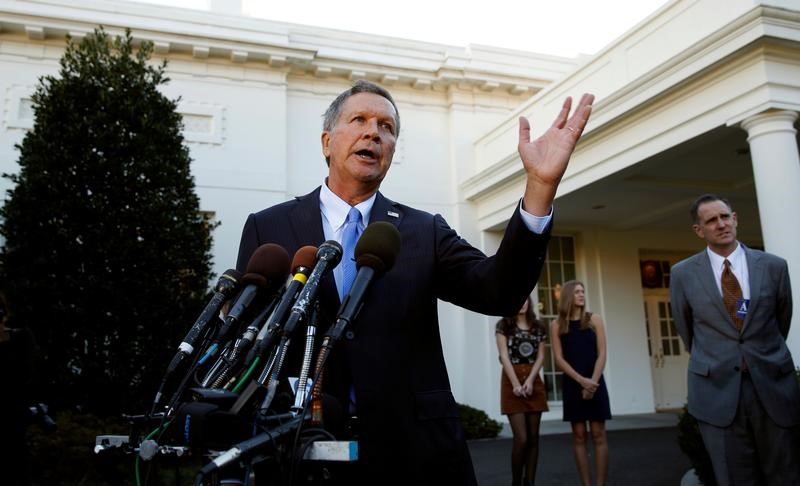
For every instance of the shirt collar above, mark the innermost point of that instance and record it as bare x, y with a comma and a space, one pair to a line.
336, 209
718, 261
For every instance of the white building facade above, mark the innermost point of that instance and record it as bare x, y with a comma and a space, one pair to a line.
702, 96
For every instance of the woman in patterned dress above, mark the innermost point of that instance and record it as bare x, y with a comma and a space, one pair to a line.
522, 394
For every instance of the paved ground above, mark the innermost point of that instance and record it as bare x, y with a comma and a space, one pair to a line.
643, 451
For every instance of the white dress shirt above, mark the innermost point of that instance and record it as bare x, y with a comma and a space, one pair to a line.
738, 261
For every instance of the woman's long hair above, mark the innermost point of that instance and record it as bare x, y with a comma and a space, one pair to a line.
566, 305
509, 323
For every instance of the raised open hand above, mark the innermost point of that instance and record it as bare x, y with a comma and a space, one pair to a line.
545, 159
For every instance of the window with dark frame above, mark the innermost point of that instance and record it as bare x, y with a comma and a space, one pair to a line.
559, 267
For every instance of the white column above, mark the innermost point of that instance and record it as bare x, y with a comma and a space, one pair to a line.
776, 171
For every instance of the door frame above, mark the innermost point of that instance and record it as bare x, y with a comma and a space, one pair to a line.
667, 369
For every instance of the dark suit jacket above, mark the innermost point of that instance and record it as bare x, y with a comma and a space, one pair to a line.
717, 349
409, 426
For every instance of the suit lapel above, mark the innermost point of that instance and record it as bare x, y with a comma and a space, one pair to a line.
385, 210
705, 275
306, 222
755, 271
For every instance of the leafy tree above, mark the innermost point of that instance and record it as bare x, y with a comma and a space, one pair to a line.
106, 256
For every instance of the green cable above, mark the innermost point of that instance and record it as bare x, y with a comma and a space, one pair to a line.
246, 375
151, 434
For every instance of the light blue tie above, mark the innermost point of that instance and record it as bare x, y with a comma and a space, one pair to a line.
350, 234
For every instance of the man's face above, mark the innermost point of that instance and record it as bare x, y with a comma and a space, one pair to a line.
361, 144
716, 224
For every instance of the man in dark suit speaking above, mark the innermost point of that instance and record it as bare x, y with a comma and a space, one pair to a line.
389, 369
732, 307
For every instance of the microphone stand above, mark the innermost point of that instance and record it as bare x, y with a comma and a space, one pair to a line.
311, 329
328, 255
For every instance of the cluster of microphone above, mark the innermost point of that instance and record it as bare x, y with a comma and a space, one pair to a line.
238, 345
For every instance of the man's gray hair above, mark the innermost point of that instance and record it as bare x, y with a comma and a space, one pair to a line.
332, 113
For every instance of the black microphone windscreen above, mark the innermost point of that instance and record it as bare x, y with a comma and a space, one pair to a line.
228, 283
378, 247
271, 261
232, 274
330, 250
304, 257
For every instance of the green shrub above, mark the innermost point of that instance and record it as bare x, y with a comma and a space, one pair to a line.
478, 425
66, 455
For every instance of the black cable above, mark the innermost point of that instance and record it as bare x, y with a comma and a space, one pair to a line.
213, 469
163, 424
247, 473
312, 436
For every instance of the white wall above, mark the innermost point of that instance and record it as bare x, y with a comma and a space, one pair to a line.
239, 164
21, 65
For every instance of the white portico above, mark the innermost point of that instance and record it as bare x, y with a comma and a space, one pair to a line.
701, 97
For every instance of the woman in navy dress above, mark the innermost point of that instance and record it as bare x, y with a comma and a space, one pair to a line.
578, 339
523, 397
